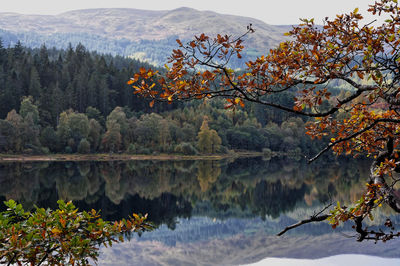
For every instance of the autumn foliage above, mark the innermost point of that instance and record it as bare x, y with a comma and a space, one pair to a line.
361, 56
60, 237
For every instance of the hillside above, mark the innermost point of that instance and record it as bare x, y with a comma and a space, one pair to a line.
142, 34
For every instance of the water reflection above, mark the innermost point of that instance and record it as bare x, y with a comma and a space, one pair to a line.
222, 212
237, 187
238, 241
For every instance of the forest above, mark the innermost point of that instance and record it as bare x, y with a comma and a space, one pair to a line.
76, 101
152, 51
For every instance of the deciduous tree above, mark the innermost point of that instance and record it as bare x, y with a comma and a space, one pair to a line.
208, 139
363, 121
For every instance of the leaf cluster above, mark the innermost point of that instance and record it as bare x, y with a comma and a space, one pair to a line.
59, 237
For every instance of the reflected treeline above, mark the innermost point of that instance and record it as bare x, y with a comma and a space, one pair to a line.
170, 189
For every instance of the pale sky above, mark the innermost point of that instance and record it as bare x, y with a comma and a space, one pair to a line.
270, 11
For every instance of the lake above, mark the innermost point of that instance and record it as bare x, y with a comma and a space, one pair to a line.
223, 212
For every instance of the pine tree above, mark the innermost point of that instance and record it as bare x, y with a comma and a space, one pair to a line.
34, 88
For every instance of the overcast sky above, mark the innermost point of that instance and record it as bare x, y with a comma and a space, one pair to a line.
270, 11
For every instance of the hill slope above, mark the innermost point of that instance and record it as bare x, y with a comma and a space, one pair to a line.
132, 31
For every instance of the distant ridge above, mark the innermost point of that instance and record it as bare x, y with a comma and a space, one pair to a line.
135, 25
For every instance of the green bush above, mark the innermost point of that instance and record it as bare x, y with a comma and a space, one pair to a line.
142, 150
84, 146
68, 149
131, 149
186, 149
223, 150
45, 150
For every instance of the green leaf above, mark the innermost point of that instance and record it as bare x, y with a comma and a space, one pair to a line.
10, 204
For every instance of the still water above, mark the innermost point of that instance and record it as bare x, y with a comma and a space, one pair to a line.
210, 212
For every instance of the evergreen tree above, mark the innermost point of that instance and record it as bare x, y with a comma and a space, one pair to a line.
7, 133
34, 83
49, 138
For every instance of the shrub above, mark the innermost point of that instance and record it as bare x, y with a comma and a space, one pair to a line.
68, 149
84, 146
142, 150
186, 149
131, 149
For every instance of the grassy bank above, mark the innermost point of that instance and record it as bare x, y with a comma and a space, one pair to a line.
120, 157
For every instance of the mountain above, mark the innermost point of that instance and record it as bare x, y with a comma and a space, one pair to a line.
134, 32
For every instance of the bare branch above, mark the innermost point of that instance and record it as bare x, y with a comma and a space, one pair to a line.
312, 219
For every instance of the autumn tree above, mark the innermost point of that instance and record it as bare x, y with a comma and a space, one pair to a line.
208, 173
208, 139
363, 121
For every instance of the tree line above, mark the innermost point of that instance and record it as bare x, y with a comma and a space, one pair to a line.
191, 130
76, 101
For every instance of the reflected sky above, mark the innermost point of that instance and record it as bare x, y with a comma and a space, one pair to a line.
209, 212
349, 259
206, 241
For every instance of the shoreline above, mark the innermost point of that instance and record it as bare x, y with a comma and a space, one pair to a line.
120, 157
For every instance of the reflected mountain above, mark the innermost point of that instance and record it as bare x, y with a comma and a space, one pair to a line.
241, 249
208, 212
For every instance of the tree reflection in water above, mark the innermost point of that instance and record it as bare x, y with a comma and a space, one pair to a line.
213, 206
170, 189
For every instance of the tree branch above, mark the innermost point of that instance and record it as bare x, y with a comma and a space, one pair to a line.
312, 219
330, 145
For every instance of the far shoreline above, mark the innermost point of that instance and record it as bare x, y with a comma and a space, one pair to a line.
119, 157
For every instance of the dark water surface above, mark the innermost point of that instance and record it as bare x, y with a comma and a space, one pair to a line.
208, 212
